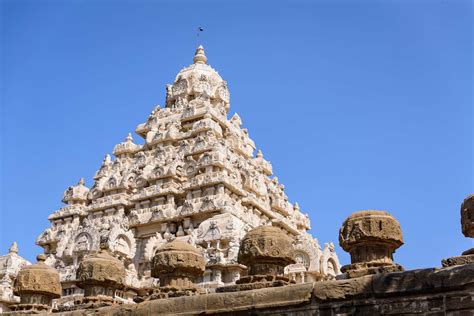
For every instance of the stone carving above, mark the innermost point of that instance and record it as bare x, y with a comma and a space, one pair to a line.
177, 264
193, 176
467, 216
10, 265
467, 224
37, 285
76, 194
371, 238
100, 275
266, 251
330, 262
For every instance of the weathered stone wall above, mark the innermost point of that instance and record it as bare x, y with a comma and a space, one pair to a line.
445, 291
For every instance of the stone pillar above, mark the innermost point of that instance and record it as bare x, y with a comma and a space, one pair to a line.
177, 264
371, 237
37, 285
266, 251
467, 224
100, 275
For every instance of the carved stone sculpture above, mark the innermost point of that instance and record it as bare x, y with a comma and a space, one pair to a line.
467, 224
371, 237
266, 251
467, 216
177, 264
37, 285
100, 275
10, 265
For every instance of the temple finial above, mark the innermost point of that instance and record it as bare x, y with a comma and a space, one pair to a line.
296, 206
199, 56
13, 248
106, 159
129, 137
81, 181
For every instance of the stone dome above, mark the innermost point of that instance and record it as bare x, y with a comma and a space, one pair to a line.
467, 216
38, 278
199, 80
101, 269
370, 226
266, 246
76, 193
177, 260
126, 147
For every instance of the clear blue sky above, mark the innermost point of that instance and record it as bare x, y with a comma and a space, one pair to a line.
358, 104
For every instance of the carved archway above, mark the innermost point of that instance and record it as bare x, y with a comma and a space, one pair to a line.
152, 244
122, 242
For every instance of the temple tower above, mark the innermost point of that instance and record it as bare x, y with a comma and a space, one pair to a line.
195, 178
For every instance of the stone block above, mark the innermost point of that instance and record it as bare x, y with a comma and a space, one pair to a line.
343, 289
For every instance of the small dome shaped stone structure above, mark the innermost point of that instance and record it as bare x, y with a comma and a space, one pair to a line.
100, 275
127, 147
371, 237
266, 250
37, 285
467, 216
76, 194
178, 264
467, 224
199, 80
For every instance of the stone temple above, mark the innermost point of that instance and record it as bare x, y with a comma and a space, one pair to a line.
194, 222
195, 179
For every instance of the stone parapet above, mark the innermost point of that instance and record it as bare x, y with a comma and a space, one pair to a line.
446, 291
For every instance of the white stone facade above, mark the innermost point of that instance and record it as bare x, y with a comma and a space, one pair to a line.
10, 265
195, 178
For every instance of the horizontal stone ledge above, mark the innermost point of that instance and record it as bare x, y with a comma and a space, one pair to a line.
212, 303
411, 282
375, 288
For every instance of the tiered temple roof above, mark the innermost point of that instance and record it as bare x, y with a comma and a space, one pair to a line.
196, 178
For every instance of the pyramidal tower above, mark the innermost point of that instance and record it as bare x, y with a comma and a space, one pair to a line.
196, 178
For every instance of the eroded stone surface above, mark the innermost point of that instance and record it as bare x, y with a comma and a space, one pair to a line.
467, 224
460, 260
38, 278
177, 259
177, 265
446, 291
467, 216
266, 250
37, 285
102, 270
371, 238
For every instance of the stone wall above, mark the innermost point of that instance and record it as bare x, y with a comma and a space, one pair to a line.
445, 291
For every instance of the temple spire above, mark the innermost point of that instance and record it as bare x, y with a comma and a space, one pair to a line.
200, 56
13, 248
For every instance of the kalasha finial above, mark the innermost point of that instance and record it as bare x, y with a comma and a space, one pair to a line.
129, 137
199, 56
106, 159
81, 181
13, 248
259, 154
